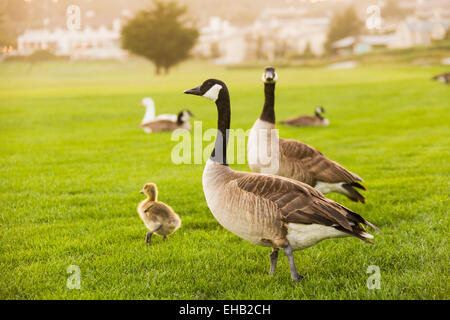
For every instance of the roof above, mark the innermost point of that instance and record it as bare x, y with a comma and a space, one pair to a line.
344, 42
382, 39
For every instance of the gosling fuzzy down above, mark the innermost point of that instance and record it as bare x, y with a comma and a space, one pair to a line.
157, 216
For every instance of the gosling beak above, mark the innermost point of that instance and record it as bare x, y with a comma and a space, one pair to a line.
142, 191
195, 91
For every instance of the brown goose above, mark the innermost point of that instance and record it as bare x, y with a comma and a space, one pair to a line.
308, 121
157, 216
182, 122
267, 153
444, 78
269, 210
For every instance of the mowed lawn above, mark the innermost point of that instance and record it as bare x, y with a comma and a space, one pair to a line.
73, 160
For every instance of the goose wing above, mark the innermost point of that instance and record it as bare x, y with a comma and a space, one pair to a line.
301, 121
160, 125
300, 203
316, 163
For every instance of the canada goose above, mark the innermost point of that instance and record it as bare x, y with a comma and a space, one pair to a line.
444, 78
158, 217
294, 159
309, 121
268, 210
149, 116
182, 122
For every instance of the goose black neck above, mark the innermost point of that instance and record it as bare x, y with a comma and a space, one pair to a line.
268, 113
219, 153
319, 115
179, 118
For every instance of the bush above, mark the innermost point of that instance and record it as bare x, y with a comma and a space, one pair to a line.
37, 56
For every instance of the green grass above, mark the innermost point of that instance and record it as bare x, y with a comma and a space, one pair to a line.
73, 160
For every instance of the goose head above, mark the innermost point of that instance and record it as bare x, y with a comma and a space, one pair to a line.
150, 190
183, 116
210, 89
319, 111
147, 102
269, 75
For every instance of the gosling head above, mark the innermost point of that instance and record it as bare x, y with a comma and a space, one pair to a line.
269, 75
150, 190
210, 89
147, 102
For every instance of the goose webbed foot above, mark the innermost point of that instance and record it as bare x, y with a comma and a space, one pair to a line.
290, 255
273, 260
148, 238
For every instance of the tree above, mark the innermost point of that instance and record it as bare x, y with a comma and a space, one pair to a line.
307, 52
161, 35
215, 51
343, 24
3, 35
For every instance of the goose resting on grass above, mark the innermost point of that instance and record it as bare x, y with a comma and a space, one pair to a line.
181, 122
295, 159
308, 121
269, 210
444, 78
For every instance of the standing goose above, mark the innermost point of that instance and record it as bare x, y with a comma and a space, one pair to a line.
149, 116
182, 122
309, 121
269, 210
157, 216
294, 159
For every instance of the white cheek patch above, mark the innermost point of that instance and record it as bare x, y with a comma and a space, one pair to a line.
213, 93
275, 77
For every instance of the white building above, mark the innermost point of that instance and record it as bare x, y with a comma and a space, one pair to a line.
414, 32
306, 32
86, 44
275, 33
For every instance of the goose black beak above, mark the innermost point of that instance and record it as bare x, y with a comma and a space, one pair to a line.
195, 91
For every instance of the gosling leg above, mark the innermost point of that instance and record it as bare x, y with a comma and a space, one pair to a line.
273, 260
290, 255
148, 237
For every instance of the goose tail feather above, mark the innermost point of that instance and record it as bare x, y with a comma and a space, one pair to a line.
352, 194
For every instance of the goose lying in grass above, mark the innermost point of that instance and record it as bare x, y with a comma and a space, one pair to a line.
149, 116
295, 159
157, 216
181, 122
444, 78
269, 210
309, 121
